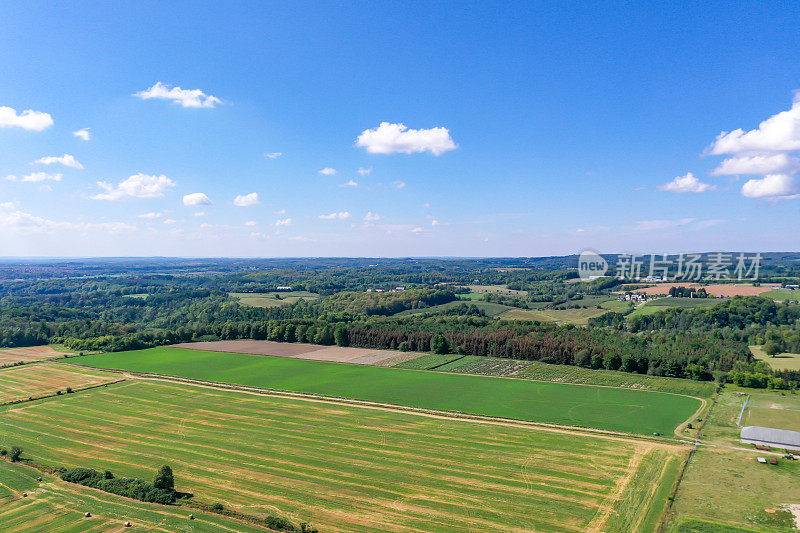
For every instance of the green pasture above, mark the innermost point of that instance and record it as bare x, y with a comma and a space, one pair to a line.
577, 405
781, 361
490, 308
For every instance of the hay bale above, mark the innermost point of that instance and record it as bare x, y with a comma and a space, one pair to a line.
87, 514
127, 524
191, 517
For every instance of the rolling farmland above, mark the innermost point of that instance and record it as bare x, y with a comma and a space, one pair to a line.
556, 403
349, 468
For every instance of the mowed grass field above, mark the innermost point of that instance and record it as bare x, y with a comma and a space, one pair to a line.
55, 506
556, 403
39, 379
782, 361
772, 411
350, 468
272, 299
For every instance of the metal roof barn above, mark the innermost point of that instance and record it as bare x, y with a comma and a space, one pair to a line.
775, 438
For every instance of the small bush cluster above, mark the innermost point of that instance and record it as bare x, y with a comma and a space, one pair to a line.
135, 488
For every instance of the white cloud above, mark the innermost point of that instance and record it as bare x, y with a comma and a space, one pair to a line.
758, 164
328, 171
169, 221
150, 215
364, 171
13, 219
246, 200
38, 176
279, 212
83, 133
372, 217
184, 97
772, 187
399, 184
273, 155
341, 215
137, 186
28, 120
200, 214
66, 160
251, 223
435, 222
283, 222
650, 225
349, 183
417, 230
195, 199
687, 183
779, 133
397, 138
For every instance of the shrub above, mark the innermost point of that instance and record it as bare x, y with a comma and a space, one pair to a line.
69, 390
164, 479
15, 454
217, 507
404, 346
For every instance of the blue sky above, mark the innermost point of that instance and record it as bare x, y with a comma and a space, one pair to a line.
533, 128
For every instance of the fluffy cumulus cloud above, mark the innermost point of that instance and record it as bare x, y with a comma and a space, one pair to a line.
27, 120
83, 134
283, 222
349, 183
66, 160
328, 171
779, 133
772, 187
757, 164
184, 97
391, 138
246, 200
195, 199
766, 151
341, 215
372, 217
136, 186
687, 183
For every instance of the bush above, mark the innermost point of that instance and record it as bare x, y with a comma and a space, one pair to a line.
69, 390
164, 479
217, 507
15, 454
135, 488
404, 346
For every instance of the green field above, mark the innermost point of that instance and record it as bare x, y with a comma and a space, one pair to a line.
428, 361
343, 467
599, 407
782, 361
772, 411
579, 317
782, 295
272, 299
487, 366
55, 506
682, 302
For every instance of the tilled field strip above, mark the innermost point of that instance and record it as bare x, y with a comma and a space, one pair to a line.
343, 467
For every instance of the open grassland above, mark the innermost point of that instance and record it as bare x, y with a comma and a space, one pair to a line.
349, 468
682, 302
28, 354
272, 299
782, 295
556, 403
502, 290
56, 506
575, 374
782, 361
724, 487
579, 317
491, 309
41, 379
772, 411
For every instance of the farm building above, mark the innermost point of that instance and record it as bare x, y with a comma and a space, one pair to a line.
775, 438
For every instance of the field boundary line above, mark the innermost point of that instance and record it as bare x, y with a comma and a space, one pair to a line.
452, 415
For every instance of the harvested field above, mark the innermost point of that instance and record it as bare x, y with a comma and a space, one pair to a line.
575, 405
28, 354
41, 379
781, 361
349, 468
316, 352
725, 290
53, 505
